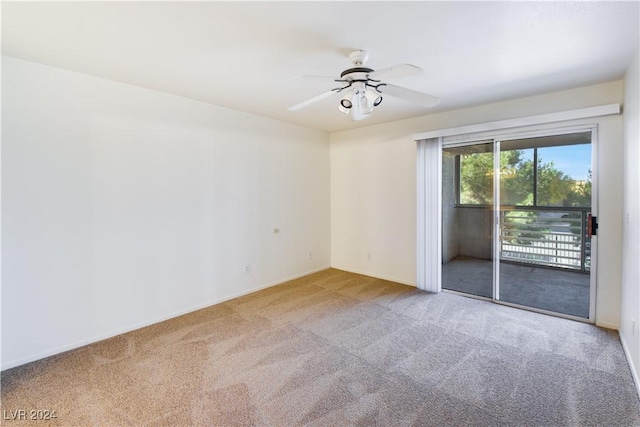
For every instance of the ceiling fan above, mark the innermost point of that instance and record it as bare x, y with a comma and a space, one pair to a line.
363, 87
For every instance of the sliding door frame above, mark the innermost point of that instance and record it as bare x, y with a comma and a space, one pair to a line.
542, 132
447, 138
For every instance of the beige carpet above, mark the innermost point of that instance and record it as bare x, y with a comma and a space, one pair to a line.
338, 349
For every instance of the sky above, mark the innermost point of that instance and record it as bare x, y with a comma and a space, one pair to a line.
574, 160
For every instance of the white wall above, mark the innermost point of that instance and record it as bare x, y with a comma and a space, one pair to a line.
373, 188
630, 309
123, 206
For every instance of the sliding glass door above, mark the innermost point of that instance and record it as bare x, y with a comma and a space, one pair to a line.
545, 205
467, 218
515, 221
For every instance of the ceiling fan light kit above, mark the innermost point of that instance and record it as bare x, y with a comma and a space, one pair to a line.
364, 89
360, 101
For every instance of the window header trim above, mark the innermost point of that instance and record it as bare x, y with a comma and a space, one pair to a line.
582, 113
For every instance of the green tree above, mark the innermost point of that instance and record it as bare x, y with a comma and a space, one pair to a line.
476, 179
580, 194
555, 187
516, 178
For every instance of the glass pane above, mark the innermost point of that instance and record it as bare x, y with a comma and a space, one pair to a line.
467, 225
545, 255
516, 177
476, 178
564, 175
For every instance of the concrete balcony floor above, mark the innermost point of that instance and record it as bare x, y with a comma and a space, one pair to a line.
557, 290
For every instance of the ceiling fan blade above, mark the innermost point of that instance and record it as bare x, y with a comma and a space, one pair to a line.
313, 100
401, 70
408, 94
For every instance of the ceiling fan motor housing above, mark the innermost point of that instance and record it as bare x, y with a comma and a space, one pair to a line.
364, 71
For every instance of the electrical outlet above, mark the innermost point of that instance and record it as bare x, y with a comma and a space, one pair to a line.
310, 255
369, 256
633, 326
247, 268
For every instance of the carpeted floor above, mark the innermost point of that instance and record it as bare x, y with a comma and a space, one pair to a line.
338, 349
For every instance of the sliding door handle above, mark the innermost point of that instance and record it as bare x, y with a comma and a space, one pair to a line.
592, 225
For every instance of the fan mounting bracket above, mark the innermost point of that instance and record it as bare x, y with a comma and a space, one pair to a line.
359, 57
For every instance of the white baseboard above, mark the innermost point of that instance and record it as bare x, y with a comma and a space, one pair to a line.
634, 373
607, 325
82, 343
375, 276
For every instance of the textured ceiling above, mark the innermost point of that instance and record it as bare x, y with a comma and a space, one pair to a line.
244, 55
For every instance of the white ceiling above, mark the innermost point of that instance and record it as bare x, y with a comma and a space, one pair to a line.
243, 55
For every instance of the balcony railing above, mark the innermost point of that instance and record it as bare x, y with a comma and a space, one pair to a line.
553, 238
